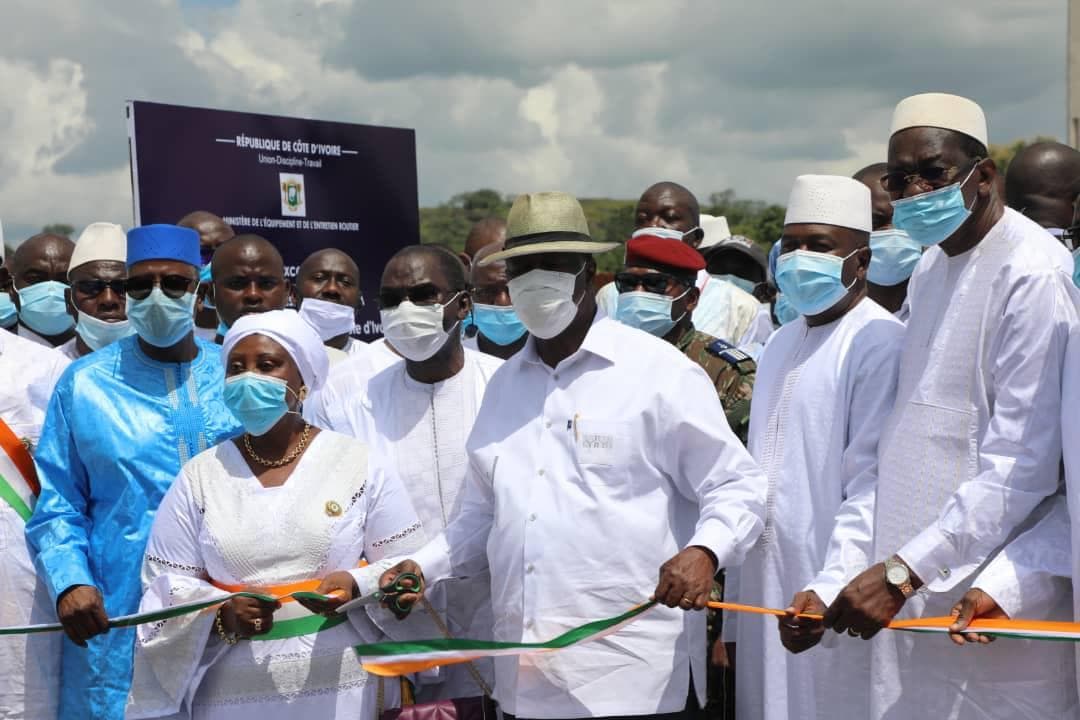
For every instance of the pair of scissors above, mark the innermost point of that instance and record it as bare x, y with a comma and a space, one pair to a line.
391, 594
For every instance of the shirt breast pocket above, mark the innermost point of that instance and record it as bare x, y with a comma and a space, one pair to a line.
602, 443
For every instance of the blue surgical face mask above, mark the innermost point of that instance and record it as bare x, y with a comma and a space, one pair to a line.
934, 216
9, 315
893, 257
741, 283
205, 278
98, 333
647, 311
784, 311
257, 401
43, 308
161, 320
812, 280
500, 325
1076, 267
222, 328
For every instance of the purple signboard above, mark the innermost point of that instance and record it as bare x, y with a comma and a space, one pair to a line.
304, 185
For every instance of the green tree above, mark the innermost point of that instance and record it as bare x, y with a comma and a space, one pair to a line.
59, 229
760, 221
1002, 155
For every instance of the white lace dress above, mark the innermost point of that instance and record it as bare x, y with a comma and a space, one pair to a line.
218, 523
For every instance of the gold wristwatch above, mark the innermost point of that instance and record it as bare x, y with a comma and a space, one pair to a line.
898, 575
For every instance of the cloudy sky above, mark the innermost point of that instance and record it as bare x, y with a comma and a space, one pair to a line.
596, 97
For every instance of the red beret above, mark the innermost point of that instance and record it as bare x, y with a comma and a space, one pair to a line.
646, 250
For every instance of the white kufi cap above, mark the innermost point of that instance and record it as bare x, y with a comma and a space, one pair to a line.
940, 110
716, 230
829, 200
99, 241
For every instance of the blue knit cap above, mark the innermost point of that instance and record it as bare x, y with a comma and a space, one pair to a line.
163, 242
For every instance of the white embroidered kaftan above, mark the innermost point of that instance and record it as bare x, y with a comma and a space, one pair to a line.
820, 399
218, 521
972, 447
417, 433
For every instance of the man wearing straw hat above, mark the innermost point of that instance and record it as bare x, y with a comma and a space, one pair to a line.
600, 455
970, 454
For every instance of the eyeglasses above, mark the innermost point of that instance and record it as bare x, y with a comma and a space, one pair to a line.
489, 295
427, 294
932, 176
173, 286
93, 288
655, 282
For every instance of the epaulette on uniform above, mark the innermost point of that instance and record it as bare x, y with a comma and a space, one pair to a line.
732, 355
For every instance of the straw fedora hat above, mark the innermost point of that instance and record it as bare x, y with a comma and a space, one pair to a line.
547, 222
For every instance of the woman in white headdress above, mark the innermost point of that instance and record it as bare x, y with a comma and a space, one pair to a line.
271, 511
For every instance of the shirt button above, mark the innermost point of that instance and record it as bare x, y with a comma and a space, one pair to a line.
529, 569
532, 517
548, 424
528, 624
541, 471
556, 376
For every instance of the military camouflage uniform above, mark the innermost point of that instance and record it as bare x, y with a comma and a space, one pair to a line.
731, 371
732, 374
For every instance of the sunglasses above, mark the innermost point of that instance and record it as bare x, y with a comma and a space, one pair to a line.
933, 176
427, 294
173, 286
655, 282
93, 288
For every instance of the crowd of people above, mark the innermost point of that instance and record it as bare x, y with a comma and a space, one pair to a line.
865, 423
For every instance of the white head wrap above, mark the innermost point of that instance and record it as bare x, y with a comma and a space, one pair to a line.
830, 200
290, 332
99, 241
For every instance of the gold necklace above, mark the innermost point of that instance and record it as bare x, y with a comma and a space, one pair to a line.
284, 460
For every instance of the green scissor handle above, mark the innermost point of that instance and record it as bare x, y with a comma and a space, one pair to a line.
391, 593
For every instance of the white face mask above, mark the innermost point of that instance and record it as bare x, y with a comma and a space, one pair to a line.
416, 331
544, 300
329, 319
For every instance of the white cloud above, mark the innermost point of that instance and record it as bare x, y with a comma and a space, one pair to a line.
597, 97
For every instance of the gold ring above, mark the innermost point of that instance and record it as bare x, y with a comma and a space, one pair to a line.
257, 624
852, 632
687, 600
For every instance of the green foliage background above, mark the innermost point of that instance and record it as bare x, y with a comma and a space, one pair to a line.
610, 220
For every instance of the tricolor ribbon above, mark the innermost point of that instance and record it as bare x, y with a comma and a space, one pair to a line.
18, 478
403, 657
280, 630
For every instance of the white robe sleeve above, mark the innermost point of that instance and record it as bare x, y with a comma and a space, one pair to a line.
1019, 451
460, 550
391, 529
872, 396
708, 465
171, 656
1032, 574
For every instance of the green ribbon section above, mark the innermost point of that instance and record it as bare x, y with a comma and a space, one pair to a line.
280, 630
568, 638
300, 626
8, 495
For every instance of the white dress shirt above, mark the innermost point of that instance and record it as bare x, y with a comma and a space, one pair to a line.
583, 480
